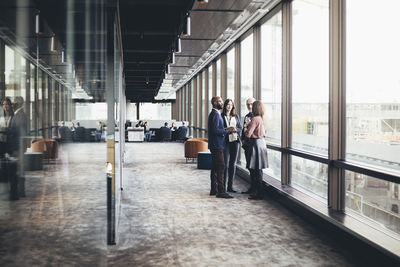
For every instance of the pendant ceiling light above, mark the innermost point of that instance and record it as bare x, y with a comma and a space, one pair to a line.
178, 47
186, 28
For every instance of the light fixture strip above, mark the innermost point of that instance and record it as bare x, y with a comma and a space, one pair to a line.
37, 30
260, 13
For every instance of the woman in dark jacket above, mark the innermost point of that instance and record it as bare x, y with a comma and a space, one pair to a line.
232, 141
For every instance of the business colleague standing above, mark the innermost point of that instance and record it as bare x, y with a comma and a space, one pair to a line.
216, 142
258, 156
247, 146
232, 142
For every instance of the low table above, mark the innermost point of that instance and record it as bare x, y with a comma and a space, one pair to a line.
33, 161
204, 160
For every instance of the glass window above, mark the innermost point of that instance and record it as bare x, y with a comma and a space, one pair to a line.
10, 72
246, 72
309, 176
310, 75
32, 100
198, 101
274, 162
218, 92
210, 85
40, 103
271, 75
372, 83
22, 80
191, 107
376, 199
230, 71
187, 102
203, 100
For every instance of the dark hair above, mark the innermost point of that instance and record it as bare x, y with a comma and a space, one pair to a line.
214, 99
258, 109
8, 100
233, 110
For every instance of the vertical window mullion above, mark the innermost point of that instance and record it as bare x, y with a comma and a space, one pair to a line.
336, 181
286, 92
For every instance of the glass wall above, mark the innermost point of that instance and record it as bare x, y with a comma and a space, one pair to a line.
310, 75
191, 110
210, 86
204, 101
271, 75
372, 83
376, 199
372, 95
218, 65
310, 177
32, 99
230, 72
10, 72
155, 111
246, 73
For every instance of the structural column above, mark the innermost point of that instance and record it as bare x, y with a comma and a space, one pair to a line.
286, 92
337, 131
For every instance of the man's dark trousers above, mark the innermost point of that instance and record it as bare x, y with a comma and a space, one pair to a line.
217, 171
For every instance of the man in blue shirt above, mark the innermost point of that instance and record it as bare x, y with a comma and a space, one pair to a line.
216, 143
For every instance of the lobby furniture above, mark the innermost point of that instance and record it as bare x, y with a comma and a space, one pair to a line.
193, 146
49, 147
33, 161
204, 160
135, 134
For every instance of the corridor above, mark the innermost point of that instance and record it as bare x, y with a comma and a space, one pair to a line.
165, 218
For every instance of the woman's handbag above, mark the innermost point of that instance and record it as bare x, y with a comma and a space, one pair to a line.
233, 137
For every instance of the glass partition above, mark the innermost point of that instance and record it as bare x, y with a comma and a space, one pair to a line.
230, 71
372, 83
310, 177
271, 75
310, 75
218, 77
376, 199
246, 73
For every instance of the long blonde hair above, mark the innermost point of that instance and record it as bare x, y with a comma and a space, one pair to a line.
258, 109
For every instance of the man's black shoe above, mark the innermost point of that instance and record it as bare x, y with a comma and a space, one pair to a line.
248, 192
213, 193
255, 197
224, 195
231, 190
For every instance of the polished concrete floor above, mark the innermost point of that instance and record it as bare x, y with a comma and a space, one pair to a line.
165, 218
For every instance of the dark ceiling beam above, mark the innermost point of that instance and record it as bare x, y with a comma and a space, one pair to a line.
140, 70
158, 4
197, 39
180, 55
144, 62
150, 33
217, 10
147, 51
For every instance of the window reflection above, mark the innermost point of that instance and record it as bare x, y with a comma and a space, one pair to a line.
309, 176
376, 199
274, 161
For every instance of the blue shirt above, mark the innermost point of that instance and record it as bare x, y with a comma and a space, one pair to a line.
216, 131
